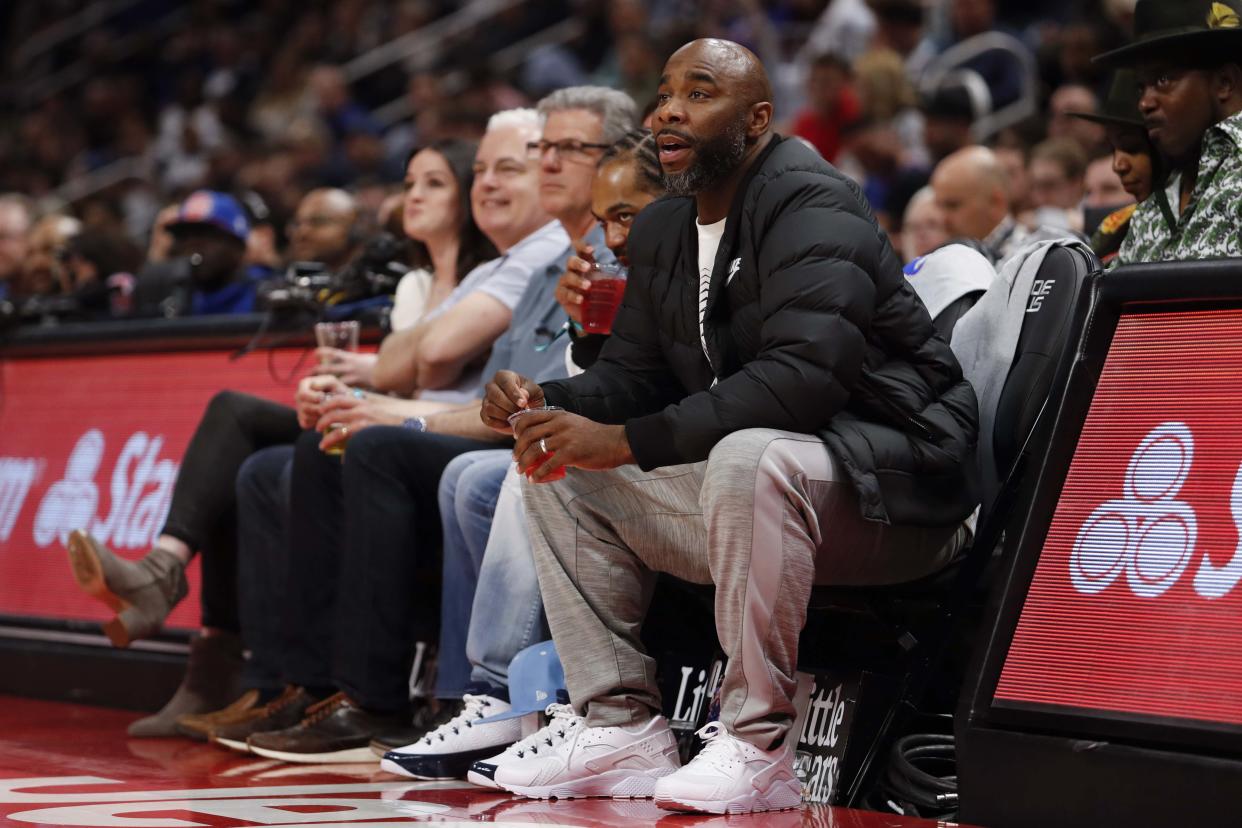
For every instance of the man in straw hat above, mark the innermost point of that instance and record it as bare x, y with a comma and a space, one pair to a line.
1185, 56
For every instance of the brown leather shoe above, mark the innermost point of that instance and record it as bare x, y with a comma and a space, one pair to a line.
198, 726
286, 710
334, 730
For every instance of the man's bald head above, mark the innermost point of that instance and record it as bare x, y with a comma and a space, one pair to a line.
336, 200
972, 191
977, 163
732, 64
322, 228
713, 113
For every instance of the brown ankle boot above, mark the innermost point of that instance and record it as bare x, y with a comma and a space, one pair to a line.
141, 592
212, 681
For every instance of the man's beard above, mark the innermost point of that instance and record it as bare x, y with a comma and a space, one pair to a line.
714, 161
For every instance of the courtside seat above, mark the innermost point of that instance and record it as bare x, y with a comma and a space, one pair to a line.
902, 630
1048, 328
914, 622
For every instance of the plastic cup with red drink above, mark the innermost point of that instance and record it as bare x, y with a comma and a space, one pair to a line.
603, 297
513, 418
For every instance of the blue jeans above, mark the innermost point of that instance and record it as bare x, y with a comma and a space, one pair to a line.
508, 609
468, 491
262, 487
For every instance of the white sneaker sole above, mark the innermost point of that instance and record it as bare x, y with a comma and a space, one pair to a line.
482, 781
617, 784
351, 756
782, 796
232, 744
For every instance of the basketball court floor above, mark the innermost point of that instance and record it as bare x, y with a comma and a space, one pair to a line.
64, 764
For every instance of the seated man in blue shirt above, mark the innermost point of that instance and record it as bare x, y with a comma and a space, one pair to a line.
204, 274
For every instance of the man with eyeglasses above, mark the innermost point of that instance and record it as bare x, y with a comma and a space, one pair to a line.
324, 229
384, 496
1185, 55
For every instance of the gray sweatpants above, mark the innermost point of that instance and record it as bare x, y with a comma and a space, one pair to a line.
765, 517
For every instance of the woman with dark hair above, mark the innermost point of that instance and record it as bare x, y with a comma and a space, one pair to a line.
1135, 160
202, 516
445, 244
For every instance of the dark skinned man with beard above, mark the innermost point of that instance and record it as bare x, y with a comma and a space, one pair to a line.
204, 273
773, 409
1187, 58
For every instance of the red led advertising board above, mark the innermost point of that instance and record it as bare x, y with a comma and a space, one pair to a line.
1136, 602
95, 442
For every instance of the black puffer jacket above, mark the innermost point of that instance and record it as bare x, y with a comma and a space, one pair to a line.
816, 332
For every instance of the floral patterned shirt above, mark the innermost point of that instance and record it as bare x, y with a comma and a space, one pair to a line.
1211, 225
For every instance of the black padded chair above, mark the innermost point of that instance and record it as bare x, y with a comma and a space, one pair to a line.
1049, 325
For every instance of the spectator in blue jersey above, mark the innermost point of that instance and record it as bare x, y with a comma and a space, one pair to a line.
205, 272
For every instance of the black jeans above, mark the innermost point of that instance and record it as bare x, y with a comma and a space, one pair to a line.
359, 533
203, 513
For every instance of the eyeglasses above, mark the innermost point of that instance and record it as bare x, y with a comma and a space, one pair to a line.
545, 337
314, 222
569, 149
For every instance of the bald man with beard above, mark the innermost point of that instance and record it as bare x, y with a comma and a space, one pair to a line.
773, 409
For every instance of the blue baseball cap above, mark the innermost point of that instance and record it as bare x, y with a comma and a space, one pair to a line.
214, 209
535, 678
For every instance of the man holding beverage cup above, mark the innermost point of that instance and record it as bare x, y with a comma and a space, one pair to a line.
593, 291
773, 409
590, 293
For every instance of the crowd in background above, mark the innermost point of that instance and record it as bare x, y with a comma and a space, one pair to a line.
820, 425
271, 100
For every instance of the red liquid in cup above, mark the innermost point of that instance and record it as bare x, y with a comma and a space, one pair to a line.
554, 476
600, 305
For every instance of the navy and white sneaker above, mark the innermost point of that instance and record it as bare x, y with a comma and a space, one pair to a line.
563, 721
448, 751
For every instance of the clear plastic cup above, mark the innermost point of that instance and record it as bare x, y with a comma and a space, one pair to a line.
344, 337
340, 335
603, 297
513, 418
